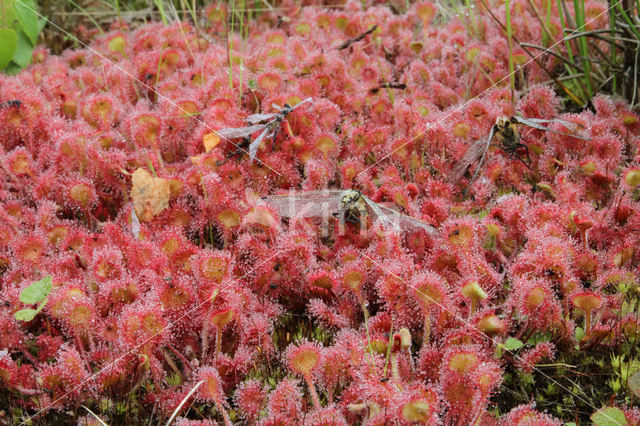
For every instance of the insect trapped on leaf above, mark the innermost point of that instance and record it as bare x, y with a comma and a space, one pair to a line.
505, 135
349, 206
267, 124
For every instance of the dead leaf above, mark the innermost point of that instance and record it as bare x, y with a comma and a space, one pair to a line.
210, 141
196, 160
150, 194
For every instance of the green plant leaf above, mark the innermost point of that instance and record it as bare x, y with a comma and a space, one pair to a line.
12, 68
8, 46
8, 16
37, 291
28, 18
579, 333
25, 314
634, 383
609, 416
41, 306
512, 344
24, 51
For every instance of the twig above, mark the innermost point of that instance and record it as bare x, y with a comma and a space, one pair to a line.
184, 400
95, 415
392, 85
357, 38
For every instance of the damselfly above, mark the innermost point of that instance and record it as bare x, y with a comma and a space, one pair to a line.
267, 124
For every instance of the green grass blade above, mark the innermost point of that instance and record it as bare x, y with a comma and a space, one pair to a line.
88, 15
628, 20
582, 44
567, 43
242, 32
163, 14
230, 42
548, 17
612, 26
512, 77
472, 18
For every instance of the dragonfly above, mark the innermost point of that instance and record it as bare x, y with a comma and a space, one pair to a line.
349, 206
267, 124
505, 135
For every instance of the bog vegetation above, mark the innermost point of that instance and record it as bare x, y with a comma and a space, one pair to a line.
474, 258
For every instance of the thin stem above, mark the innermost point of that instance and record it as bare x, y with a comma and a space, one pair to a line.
366, 327
225, 416
582, 45
395, 373
587, 325
612, 25
512, 79
312, 391
427, 329
205, 340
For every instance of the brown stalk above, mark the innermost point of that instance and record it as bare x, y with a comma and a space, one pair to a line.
357, 38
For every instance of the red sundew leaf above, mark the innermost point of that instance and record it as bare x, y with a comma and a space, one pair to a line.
304, 359
220, 319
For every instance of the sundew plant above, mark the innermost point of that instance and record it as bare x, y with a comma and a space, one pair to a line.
149, 274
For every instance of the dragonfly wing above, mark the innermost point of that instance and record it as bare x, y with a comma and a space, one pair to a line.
473, 153
386, 220
301, 102
259, 118
537, 123
135, 223
306, 204
239, 132
482, 157
253, 147
293, 107
402, 221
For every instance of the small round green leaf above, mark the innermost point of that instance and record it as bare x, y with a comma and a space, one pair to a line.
28, 18
37, 291
8, 46
25, 314
609, 416
512, 344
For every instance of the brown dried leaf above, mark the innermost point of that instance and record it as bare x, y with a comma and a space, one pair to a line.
150, 194
210, 141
